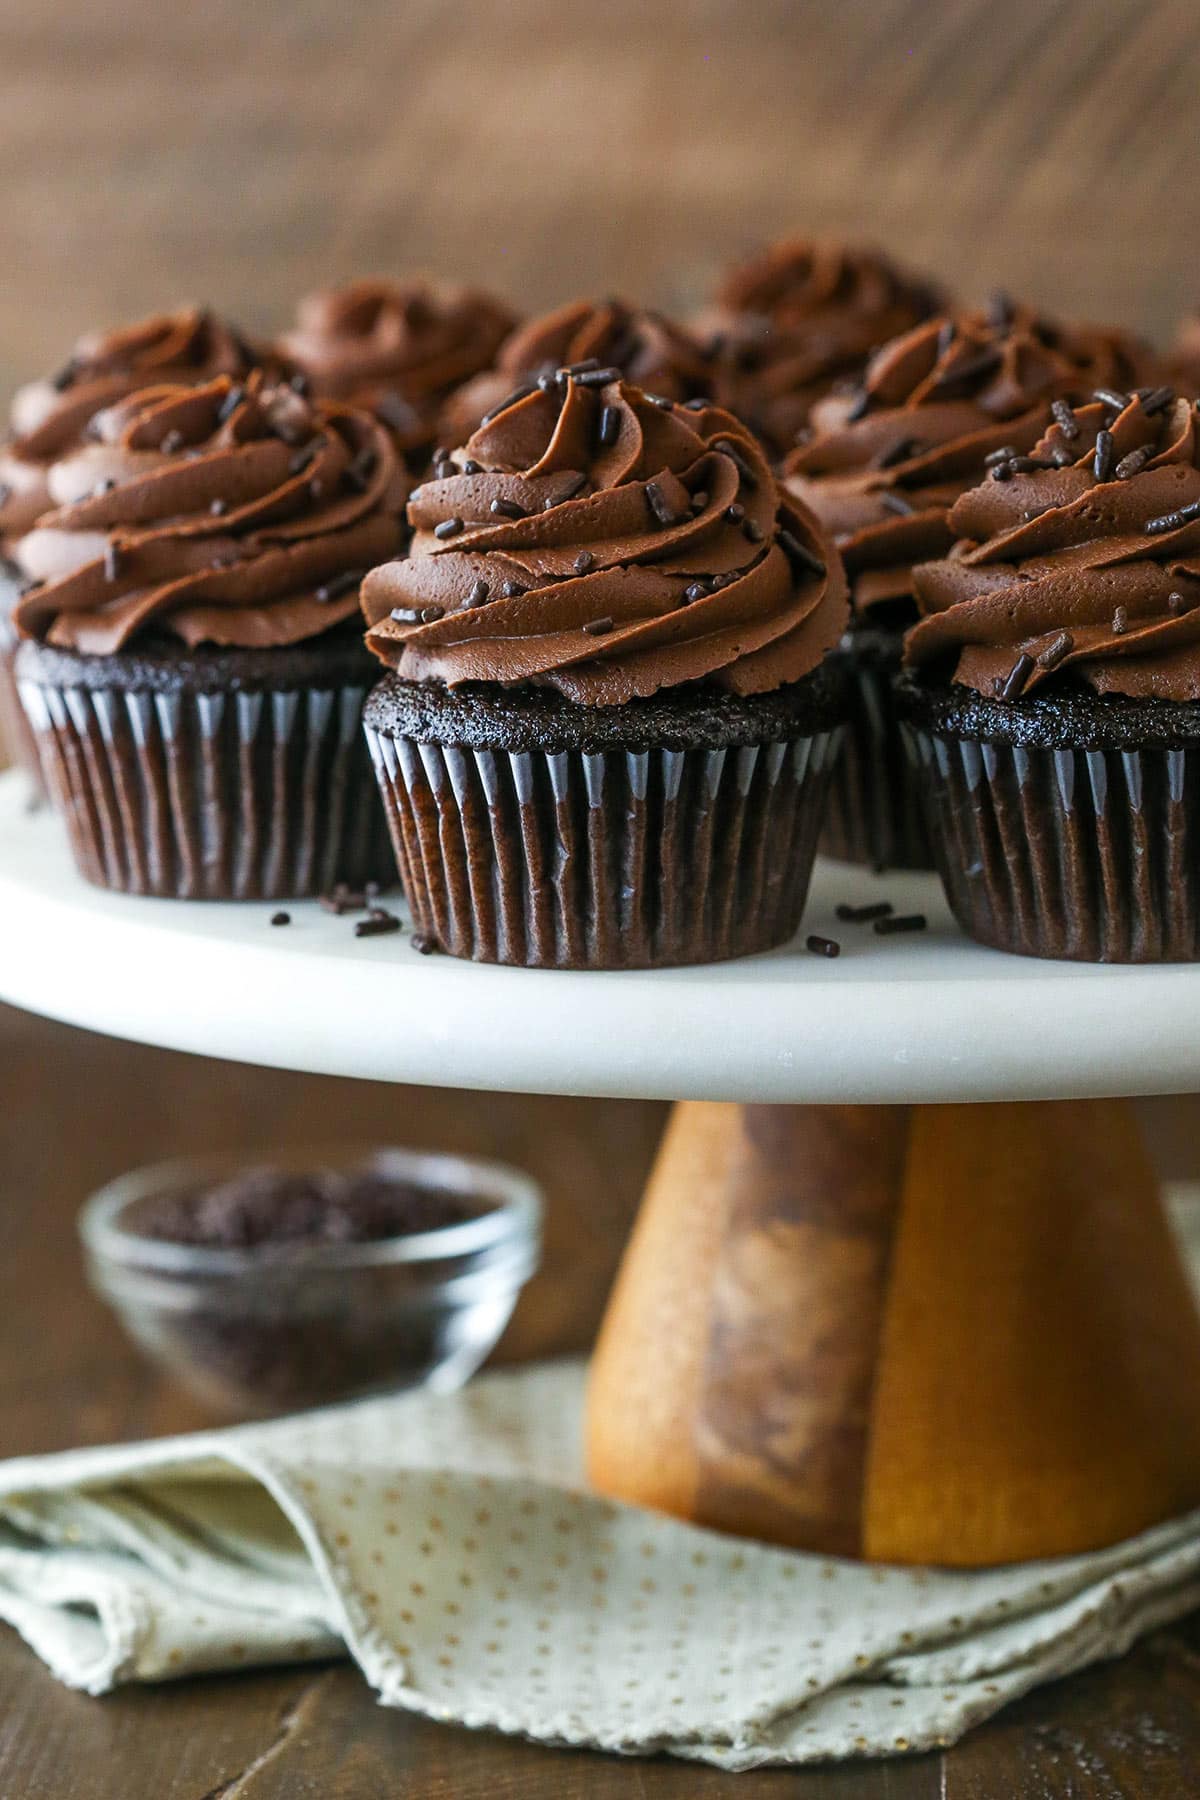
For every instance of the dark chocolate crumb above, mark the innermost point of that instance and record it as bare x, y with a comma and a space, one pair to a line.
822, 946
281, 918
423, 944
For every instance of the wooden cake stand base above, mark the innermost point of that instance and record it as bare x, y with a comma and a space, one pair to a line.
958, 1335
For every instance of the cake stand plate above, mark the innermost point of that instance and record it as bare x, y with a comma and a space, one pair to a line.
928, 1017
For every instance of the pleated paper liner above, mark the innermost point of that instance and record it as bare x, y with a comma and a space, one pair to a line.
16, 734
229, 776
1088, 851
874, 815
606, 857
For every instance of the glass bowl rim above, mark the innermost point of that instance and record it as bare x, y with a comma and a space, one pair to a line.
512, 1221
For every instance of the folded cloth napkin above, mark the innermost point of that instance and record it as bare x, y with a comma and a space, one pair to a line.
447, 1543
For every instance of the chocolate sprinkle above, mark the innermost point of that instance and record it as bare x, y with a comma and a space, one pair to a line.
608, 427
1176, 603
65, 376
112, 560
900, 922
1002, 472
1065, 418
1120, 622
217, 508
1110, 397
448, 528
341, 585
423, 944
822, 946
748, 477
735, 513
1018, 675
1102, 462
864, 915
1173, 520
699, 500
583, 562
753, 532
431, 614
1005, 453
1157, 399
858, 409
896, 503
898, 452
1133, 463
172, 442
598, 627
521, 393
512, 590
660, 506
800, 553
695, 590
380, 924
281, 918
478, 594
1052, 655
507, 509
589, 378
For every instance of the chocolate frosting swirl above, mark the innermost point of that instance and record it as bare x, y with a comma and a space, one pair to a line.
224, 514
794, 321
50, 415
884, 464
648, 348
609, 546
399, 348
1080, 564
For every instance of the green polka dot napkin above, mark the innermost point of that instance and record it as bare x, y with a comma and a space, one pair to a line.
447, 1544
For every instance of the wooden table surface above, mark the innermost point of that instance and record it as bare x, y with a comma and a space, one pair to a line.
78, 1109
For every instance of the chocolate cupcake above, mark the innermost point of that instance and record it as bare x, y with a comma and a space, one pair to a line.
881, 468
644, 346
195, 673
397, 348
1052, 701
608, 732
51, 415
785, 328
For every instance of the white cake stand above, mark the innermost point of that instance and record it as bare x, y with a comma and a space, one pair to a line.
893, 1019
852, 1316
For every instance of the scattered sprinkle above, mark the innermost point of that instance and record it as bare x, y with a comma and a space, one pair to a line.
864, 915
898, 922
598, 627
1014, 683
1065, 419
281, 918
380, 924
822, 946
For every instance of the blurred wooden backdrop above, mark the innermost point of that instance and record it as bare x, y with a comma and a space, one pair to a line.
242, 152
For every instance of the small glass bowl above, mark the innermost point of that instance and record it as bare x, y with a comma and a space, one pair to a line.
286, 1326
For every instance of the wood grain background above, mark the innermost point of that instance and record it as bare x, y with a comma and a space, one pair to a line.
241, 153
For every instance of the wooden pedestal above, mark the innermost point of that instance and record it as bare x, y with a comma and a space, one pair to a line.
958, 1335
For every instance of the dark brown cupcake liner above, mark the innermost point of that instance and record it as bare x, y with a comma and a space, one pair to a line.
874, 814
1092, 855
610, 859
243, 794
16, 735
